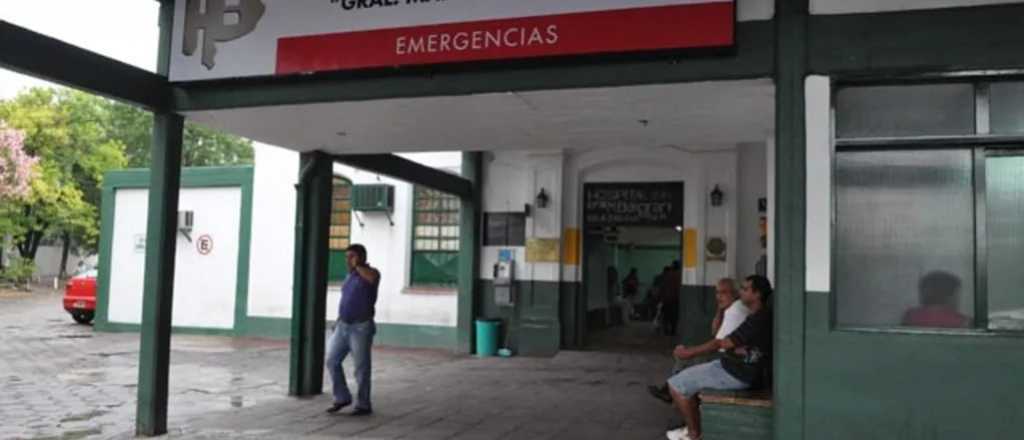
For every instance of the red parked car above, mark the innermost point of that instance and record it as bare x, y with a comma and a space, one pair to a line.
80, 296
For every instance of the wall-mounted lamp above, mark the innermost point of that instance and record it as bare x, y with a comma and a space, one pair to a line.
716, 196
542, 199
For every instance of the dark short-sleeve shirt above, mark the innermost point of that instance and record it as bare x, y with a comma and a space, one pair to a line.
755, 335
358, 299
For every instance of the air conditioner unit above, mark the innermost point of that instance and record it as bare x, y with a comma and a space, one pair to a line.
373, 198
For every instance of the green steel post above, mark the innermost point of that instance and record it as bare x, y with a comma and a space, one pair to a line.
469, 251
309, 296
161, 239
791, 18
158, 285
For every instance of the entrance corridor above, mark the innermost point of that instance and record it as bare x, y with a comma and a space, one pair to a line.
62, 380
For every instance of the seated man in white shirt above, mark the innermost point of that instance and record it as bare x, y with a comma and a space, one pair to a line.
730, 314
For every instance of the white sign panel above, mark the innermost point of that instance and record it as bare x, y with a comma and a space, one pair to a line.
224, 39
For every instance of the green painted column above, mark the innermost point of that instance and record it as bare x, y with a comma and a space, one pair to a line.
309, 295
469, 250
161, 240
158, 284
791, 18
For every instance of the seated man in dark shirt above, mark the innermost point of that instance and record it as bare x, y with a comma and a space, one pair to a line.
747, 357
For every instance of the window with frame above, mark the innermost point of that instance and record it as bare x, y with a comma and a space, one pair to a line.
435, 241
340, 232
929, 206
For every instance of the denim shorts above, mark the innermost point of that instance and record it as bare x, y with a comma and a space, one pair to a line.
709, 376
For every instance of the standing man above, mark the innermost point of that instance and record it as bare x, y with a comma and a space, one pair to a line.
353, 332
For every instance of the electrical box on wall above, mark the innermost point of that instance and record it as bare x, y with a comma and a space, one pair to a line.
504, 283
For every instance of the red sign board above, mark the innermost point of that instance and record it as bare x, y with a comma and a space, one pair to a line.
682, 26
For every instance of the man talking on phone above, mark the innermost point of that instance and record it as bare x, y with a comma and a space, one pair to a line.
353, 332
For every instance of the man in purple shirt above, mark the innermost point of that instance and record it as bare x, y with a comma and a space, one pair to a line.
353, 332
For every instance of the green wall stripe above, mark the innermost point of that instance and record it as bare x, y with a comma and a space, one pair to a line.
391, 335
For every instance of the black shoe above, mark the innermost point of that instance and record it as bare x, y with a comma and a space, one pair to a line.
337, 407
660, 393
361, 412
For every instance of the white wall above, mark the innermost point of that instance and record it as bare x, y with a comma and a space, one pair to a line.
865, 6
748, 10
204, 285
271, 251
819, 184
512, 179
753, 184
48, 261
388, 247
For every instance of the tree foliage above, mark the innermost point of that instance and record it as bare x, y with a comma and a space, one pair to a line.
16, 166
201, 147
67, 131
75, 138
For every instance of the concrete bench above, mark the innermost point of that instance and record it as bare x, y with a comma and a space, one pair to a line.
736, 415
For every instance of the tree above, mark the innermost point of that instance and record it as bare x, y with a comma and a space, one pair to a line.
68, 131
78, 138
16, 171
16, 165
201, 147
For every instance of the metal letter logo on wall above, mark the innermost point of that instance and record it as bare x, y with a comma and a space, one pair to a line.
213, 21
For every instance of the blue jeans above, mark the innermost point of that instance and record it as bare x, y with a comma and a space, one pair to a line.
356, 339
709, 376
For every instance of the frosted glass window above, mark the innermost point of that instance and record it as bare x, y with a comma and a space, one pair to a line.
905, 110
904, 239
1005, 229
1007, 107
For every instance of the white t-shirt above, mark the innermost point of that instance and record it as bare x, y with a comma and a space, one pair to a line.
734, 316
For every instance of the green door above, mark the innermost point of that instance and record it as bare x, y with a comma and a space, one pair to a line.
341, 229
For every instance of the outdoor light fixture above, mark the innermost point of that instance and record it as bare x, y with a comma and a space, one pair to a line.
717, 196
542, 199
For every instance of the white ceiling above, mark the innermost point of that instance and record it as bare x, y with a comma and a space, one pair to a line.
709, 114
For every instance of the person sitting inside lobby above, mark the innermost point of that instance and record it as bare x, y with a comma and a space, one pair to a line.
729, 315
939, 295
744, 364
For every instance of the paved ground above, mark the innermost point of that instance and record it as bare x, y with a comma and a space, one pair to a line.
60, 380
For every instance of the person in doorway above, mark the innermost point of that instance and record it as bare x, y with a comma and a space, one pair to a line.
353, 332
671, 285
630, 287
612, 285
631, 284
730, 314
939, 293
745, 363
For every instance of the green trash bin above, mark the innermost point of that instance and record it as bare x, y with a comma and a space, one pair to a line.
487, 337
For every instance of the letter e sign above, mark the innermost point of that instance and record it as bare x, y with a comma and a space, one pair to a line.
204, 245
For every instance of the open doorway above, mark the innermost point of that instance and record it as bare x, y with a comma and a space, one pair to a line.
632, 265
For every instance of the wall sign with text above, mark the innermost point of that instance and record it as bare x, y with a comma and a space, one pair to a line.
633, 204
221, 39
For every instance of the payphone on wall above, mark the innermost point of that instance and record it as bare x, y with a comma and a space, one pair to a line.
504, 280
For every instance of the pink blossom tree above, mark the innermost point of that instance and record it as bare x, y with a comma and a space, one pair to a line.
16, 166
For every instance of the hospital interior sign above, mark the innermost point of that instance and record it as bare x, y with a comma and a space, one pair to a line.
222, 38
